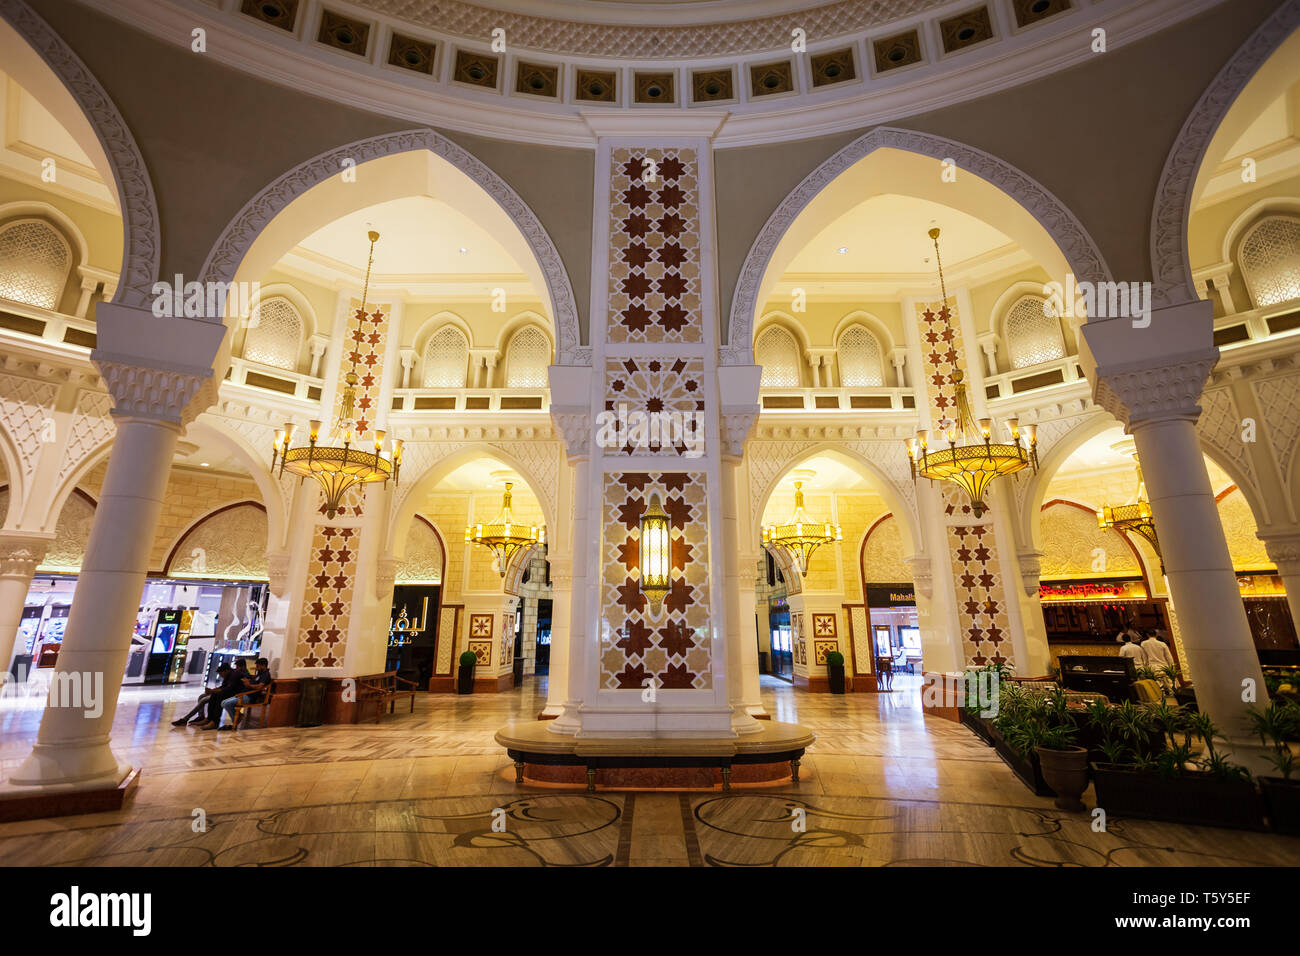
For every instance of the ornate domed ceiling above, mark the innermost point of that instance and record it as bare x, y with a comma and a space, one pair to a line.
753, 71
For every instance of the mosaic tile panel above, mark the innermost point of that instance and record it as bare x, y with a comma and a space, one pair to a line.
981, 605
367, 332
656, 406
673, 649
327, 600
654, 236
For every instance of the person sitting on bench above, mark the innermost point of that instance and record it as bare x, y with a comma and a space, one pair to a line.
233, 684
255, 687
222, 673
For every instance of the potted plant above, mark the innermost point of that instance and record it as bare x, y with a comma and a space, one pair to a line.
1049, 729
1010, 740
835, 671
1174, 783
1276, 723
465, 675
977, 713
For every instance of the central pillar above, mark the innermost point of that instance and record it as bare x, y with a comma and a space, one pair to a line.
654, 404
147, 364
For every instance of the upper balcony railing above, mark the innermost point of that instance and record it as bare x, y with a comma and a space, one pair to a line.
407, 400
33, 322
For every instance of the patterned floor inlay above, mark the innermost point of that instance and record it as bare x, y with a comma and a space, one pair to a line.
882, 786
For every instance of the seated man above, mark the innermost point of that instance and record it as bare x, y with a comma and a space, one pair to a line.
255, 687
222, 673
232, 684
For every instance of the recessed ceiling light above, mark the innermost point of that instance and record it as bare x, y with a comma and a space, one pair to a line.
843, 250
464, 251
204, 464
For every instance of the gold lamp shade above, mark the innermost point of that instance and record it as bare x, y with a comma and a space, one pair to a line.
656, 554
503, 536
799, 535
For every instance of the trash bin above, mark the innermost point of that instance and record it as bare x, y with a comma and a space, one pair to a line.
311, 701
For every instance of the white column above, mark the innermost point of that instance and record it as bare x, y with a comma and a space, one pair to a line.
1152, 384
557, 678
147, 365
19, 556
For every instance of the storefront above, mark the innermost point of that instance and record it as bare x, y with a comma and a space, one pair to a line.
184, 629
891, 612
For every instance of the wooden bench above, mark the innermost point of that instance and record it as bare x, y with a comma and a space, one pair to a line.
245, 705
380, 689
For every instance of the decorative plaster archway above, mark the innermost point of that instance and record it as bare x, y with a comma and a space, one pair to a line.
896, 502
1078, 248
237, 238
1171, 269
142, 233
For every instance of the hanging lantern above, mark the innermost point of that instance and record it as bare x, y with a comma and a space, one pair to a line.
656, 554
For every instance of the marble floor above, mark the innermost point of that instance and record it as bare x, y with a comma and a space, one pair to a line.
883, 785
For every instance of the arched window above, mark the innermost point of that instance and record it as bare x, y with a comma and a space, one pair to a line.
275, 338
445, 358
527, 358
1269, 256
1032, 337
860, 359
35, 261
778, 353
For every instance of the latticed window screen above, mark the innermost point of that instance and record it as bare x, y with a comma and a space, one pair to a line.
1032, 337
275, 337
778, 354
1270, 260
445, 358
34, 263
859, 358
527, 358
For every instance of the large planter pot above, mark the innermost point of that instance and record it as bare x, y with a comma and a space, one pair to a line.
835, 677
464, 679
1196, 798
1026, 768
1066, 772
1282, 798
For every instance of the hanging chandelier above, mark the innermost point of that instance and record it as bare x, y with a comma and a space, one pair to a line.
336, 463
972, 459
1135, 516
800, 536
503, 536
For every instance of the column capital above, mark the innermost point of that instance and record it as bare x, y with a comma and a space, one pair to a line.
385, 574
1154, 367
277, 571
922, 574
1284, 550
1140, 392
156, 368
21, 553
574, 426
1031, 570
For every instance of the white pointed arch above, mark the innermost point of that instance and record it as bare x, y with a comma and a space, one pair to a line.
1262, 64
1039, 221
253, 240
882, 483
32, 51
443, 461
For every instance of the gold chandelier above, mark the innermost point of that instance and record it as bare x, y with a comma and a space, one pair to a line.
336, 464
502, 535
972, 459
1135, 517
799, 535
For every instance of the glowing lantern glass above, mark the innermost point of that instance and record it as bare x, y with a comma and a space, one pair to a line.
656, 554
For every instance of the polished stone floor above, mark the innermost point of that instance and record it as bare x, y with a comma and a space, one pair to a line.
882, 785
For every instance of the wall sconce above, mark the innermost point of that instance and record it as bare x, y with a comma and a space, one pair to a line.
656, 556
